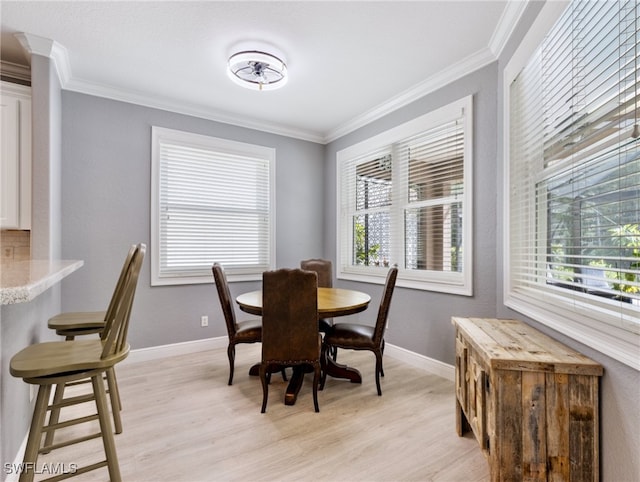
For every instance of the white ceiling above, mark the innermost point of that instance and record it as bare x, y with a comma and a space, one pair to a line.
349, 61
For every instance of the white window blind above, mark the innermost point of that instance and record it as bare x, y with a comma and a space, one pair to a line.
213, 201
404, 200
574, 182
431, 194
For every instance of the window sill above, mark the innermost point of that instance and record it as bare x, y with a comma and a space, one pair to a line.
453, 287
613, 341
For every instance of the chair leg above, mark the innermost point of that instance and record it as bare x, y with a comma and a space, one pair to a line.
265, 386
382, 351
323, 366
105, 427
111, 373
378, 371
54, 416
231, 353
35, 433
316, 380
114, 395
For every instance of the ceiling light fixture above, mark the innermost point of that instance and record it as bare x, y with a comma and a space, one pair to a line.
257, 70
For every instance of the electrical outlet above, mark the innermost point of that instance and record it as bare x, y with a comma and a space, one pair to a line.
204, 320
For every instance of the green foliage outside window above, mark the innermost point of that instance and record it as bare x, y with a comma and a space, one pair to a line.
629, 235
364, 256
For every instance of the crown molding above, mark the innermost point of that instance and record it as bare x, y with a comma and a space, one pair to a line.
433, 83
35, 45
15, 71
506, 25
138, 98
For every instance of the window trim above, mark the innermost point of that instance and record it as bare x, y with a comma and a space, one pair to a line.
442, 281
582, 321
225, 145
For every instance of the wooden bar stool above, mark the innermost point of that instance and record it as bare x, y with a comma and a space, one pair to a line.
61, 362
77, 323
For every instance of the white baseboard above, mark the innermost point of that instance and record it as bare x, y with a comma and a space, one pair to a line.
414, 359
174, 349
430, 365
14, 475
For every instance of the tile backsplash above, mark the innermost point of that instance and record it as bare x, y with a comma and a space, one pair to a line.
15, 245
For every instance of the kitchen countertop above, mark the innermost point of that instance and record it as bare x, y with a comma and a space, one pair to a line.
22, 281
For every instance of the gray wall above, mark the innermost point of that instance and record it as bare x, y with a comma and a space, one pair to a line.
106, 179
420, 321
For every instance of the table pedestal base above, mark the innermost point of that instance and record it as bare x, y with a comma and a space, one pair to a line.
336, 370
332, 368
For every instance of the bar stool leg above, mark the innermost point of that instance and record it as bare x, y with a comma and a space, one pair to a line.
54, 416
35, 433
114, 395
105, 428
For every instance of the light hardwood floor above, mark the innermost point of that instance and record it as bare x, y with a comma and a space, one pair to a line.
182, 422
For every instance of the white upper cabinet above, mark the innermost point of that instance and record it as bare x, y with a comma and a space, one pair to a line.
15, 156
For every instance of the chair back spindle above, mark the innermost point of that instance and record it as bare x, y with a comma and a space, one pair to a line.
114, 335
117, 292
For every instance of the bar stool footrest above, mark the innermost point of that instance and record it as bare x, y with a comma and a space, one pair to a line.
48, 448
67, 402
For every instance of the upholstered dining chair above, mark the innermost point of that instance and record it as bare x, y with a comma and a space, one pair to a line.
248, 331
324, 268
355, 336
50, 363
290, 334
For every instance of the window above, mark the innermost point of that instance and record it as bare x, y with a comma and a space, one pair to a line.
404, 198
211, 202
574, 179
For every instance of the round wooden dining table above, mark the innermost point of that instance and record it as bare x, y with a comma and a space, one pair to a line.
332, 303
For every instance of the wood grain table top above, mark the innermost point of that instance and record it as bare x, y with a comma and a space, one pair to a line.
332, 302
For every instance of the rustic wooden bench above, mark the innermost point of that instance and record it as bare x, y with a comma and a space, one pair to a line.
530, 401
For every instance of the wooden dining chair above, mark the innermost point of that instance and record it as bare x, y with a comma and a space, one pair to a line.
77, 323
61, 362
290, 334
355, 336
324, 269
